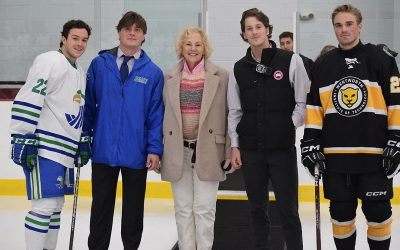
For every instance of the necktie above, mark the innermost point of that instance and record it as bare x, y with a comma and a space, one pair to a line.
124, 70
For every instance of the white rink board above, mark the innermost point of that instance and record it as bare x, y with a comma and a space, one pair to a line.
8, 170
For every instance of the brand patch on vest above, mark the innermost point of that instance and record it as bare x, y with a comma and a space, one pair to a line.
140, 79
349, 96
278, 75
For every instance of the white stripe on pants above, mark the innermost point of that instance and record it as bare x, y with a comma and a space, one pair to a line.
195, 205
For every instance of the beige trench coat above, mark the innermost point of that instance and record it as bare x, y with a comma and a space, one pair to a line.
213, 143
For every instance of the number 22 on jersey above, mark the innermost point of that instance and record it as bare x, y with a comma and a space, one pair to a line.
40, 88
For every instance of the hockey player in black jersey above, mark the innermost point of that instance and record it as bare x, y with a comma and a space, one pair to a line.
353, 131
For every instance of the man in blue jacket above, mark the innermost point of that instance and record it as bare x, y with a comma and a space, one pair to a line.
124, 114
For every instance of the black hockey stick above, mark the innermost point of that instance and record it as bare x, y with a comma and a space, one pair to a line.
317, 207
76, 189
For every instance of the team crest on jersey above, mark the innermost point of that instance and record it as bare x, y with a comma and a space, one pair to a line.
278, 75
60, 182
351, 62
76, 121
349, 96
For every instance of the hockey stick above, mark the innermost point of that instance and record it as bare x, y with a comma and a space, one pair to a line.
78, 172
317, 207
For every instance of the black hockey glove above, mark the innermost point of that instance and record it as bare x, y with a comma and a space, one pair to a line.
391, 156
312, 156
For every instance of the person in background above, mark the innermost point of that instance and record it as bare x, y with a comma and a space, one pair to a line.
286, 43
325, 49
266, 100
46, 126
196, 141
352, 131
123, 114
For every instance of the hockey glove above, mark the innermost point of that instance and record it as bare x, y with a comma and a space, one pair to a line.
391, 156
312, 156
24, 150
227, 166
84, 150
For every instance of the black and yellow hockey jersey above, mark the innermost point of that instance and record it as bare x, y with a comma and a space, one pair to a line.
352, 106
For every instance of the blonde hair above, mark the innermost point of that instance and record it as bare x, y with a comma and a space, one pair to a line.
347, 8
185, 33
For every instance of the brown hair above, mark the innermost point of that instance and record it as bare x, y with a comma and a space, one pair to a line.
349, 9
286, 34
130, 18
260, 16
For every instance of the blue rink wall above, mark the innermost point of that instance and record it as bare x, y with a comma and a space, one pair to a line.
12, 181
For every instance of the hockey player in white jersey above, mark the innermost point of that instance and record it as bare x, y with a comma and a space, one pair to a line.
46, 125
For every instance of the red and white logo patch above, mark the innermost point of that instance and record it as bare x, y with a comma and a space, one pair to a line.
278, 75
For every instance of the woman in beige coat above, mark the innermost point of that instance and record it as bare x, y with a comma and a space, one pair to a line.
196, 142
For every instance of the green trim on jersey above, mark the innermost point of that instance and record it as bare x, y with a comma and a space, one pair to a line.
57, 143
18, 110
70, 62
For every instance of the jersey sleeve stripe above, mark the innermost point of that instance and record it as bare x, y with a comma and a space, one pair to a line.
314, 115
23, 119
394, 116
326, 89
27, 105
313, 126
375, 98
27, 112
326, 100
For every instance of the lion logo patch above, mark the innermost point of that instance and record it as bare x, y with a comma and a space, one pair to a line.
349, 96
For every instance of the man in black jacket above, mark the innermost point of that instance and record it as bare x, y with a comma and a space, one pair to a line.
286, 43
266, 99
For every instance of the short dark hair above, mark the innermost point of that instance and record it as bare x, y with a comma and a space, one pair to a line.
130, 18
286, 34
348, 8
74, 24
260, 16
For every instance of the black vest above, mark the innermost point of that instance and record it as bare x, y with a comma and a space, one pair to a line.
267, 101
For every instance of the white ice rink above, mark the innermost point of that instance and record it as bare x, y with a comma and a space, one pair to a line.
159, 225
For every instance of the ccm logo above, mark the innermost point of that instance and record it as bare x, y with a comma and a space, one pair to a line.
393, 144
374, 194
310, 148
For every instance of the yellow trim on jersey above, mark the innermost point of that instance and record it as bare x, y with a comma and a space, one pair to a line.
314, 116
353, 150
325, 95
342, 230
394, 116
380, 231
375, 103
375, 98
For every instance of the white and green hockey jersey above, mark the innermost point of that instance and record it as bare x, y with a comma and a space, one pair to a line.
50, 104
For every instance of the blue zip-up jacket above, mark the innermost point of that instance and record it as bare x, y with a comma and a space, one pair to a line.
125, 119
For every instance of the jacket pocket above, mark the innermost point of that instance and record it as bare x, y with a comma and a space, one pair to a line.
220, 139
